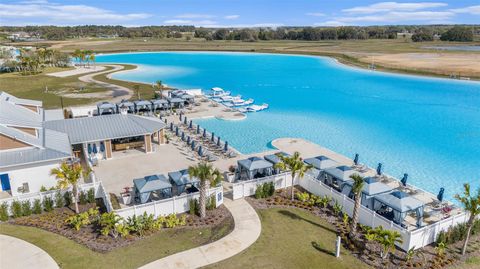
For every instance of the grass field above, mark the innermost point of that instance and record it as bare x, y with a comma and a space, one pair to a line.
286, 242
71, 255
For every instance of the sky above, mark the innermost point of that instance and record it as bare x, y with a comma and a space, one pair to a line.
237, 13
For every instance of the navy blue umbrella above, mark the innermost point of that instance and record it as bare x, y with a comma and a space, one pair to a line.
204, 133
188, 140
200, 151
355, 160
185, 120
226, 146
379, 169
191, 124
193, 145
102, 147
177, 133
183, 136
218, 141
213, 137
198, 129
89, 148
171, 126
180, 117
404, 179
95, 151
440, 194
165, 121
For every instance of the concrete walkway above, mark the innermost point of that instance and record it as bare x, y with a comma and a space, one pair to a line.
77, 71
19, 254
246, 232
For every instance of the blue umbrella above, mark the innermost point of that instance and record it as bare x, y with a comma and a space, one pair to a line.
171, 126
204, 133
355, 160
198, 129
379, 169
102, 147
89, 148
165, 120
191, 125
213, 137
440, 194
226, 146
188, 140
218, 141
177, 133
180, 117
183, 136
193, 145
404, 179
95, 151
185, 120
200, 151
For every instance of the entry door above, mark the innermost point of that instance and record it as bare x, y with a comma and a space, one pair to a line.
5, 182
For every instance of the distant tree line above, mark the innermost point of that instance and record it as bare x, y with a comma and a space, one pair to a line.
33, 61
420, 33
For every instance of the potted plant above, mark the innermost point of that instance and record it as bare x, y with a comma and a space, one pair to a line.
230, 174
126, 196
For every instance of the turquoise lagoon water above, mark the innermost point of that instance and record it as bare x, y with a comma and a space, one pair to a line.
426, 127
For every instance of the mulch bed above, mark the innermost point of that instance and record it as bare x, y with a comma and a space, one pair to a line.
89, 235
364, 250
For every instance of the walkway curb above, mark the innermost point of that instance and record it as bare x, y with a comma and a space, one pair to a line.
18, 254
247, 230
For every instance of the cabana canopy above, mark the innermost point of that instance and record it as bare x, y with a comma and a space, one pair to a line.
400, 203
143, 104
321, 162
274, 158
187, 97
145, 186
182, 178
176, 101
127, 105
254, 167
159, 103
339, 175
371, 188
106, 107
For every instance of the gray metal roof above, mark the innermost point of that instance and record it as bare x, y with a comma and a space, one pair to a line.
4, 96
175, 100
159, 102
53, 114
341, 172
15, 115
89, 129
182, 177
372, 186
321, 162
273, 158
254, 163
399, 201
151, 183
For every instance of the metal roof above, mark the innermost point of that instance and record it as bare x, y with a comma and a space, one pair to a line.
321, 162
273, 158
254, 163
81, 130
4, 96
53, 114
151, 183
182, 177
399, 201
16, 115
372, 186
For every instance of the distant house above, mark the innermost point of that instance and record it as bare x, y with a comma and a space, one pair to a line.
23, 36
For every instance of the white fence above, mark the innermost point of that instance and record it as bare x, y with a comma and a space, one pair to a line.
174, 205
411, 239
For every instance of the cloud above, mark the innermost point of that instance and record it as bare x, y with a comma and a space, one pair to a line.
395, 17
43, 12
393, 7
194, 16
231, 17
190, 22
475, 10
331, 23
315, 14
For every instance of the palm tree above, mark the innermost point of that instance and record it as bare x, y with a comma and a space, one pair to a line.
296, 166
159, 87
207, 175
387, 239
472, 206
69, 175
357, 187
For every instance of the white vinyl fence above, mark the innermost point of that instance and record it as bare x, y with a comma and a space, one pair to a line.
411, 239
174, 205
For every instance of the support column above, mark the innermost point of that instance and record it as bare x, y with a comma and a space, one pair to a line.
148, 143
161, 136
108, 149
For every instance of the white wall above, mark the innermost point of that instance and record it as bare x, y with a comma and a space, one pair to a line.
248, 187
36, 175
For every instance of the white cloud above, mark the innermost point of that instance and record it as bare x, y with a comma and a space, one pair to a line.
395, 17
475, 10
231, 17
331, 23
194, 16
393, 7
315, 14
43, 12
190, 22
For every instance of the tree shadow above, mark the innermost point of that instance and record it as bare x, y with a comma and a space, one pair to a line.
297, 217
318, 247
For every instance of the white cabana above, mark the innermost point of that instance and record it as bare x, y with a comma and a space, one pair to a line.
336, 176
106, 108
371, 188
253, 167
143, 105
144, 187
126, 105
396, 205
159, 104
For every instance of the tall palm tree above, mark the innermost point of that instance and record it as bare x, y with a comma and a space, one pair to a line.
387, 239
296, 166
472, 206
207, 175
159, 87
69, 175
357, 187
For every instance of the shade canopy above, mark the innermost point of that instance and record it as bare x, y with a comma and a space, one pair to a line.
341, 173
175, 100
321, 162
182, 177
401, 203
187, 96
254, 167
145, 186
372, 186
126, 104
143, 104
106, 107
274, 158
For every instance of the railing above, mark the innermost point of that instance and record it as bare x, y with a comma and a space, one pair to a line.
248, 187
174, 205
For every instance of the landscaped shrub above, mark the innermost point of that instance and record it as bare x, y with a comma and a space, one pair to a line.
91, 196
37, 207
4, 212
265, 190
302, 196
59, 200
79, 220
259, 192
26, 208
82, 198
323, 202
43, 189
457, 233
16, 209
47, 204
337, 208
67, 197
107, 222
211, 203
193, 205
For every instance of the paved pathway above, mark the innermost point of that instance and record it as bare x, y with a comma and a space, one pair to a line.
19, 254
247, 230
77, 71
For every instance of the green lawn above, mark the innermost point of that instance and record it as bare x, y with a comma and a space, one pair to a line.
286, 242
69, 254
